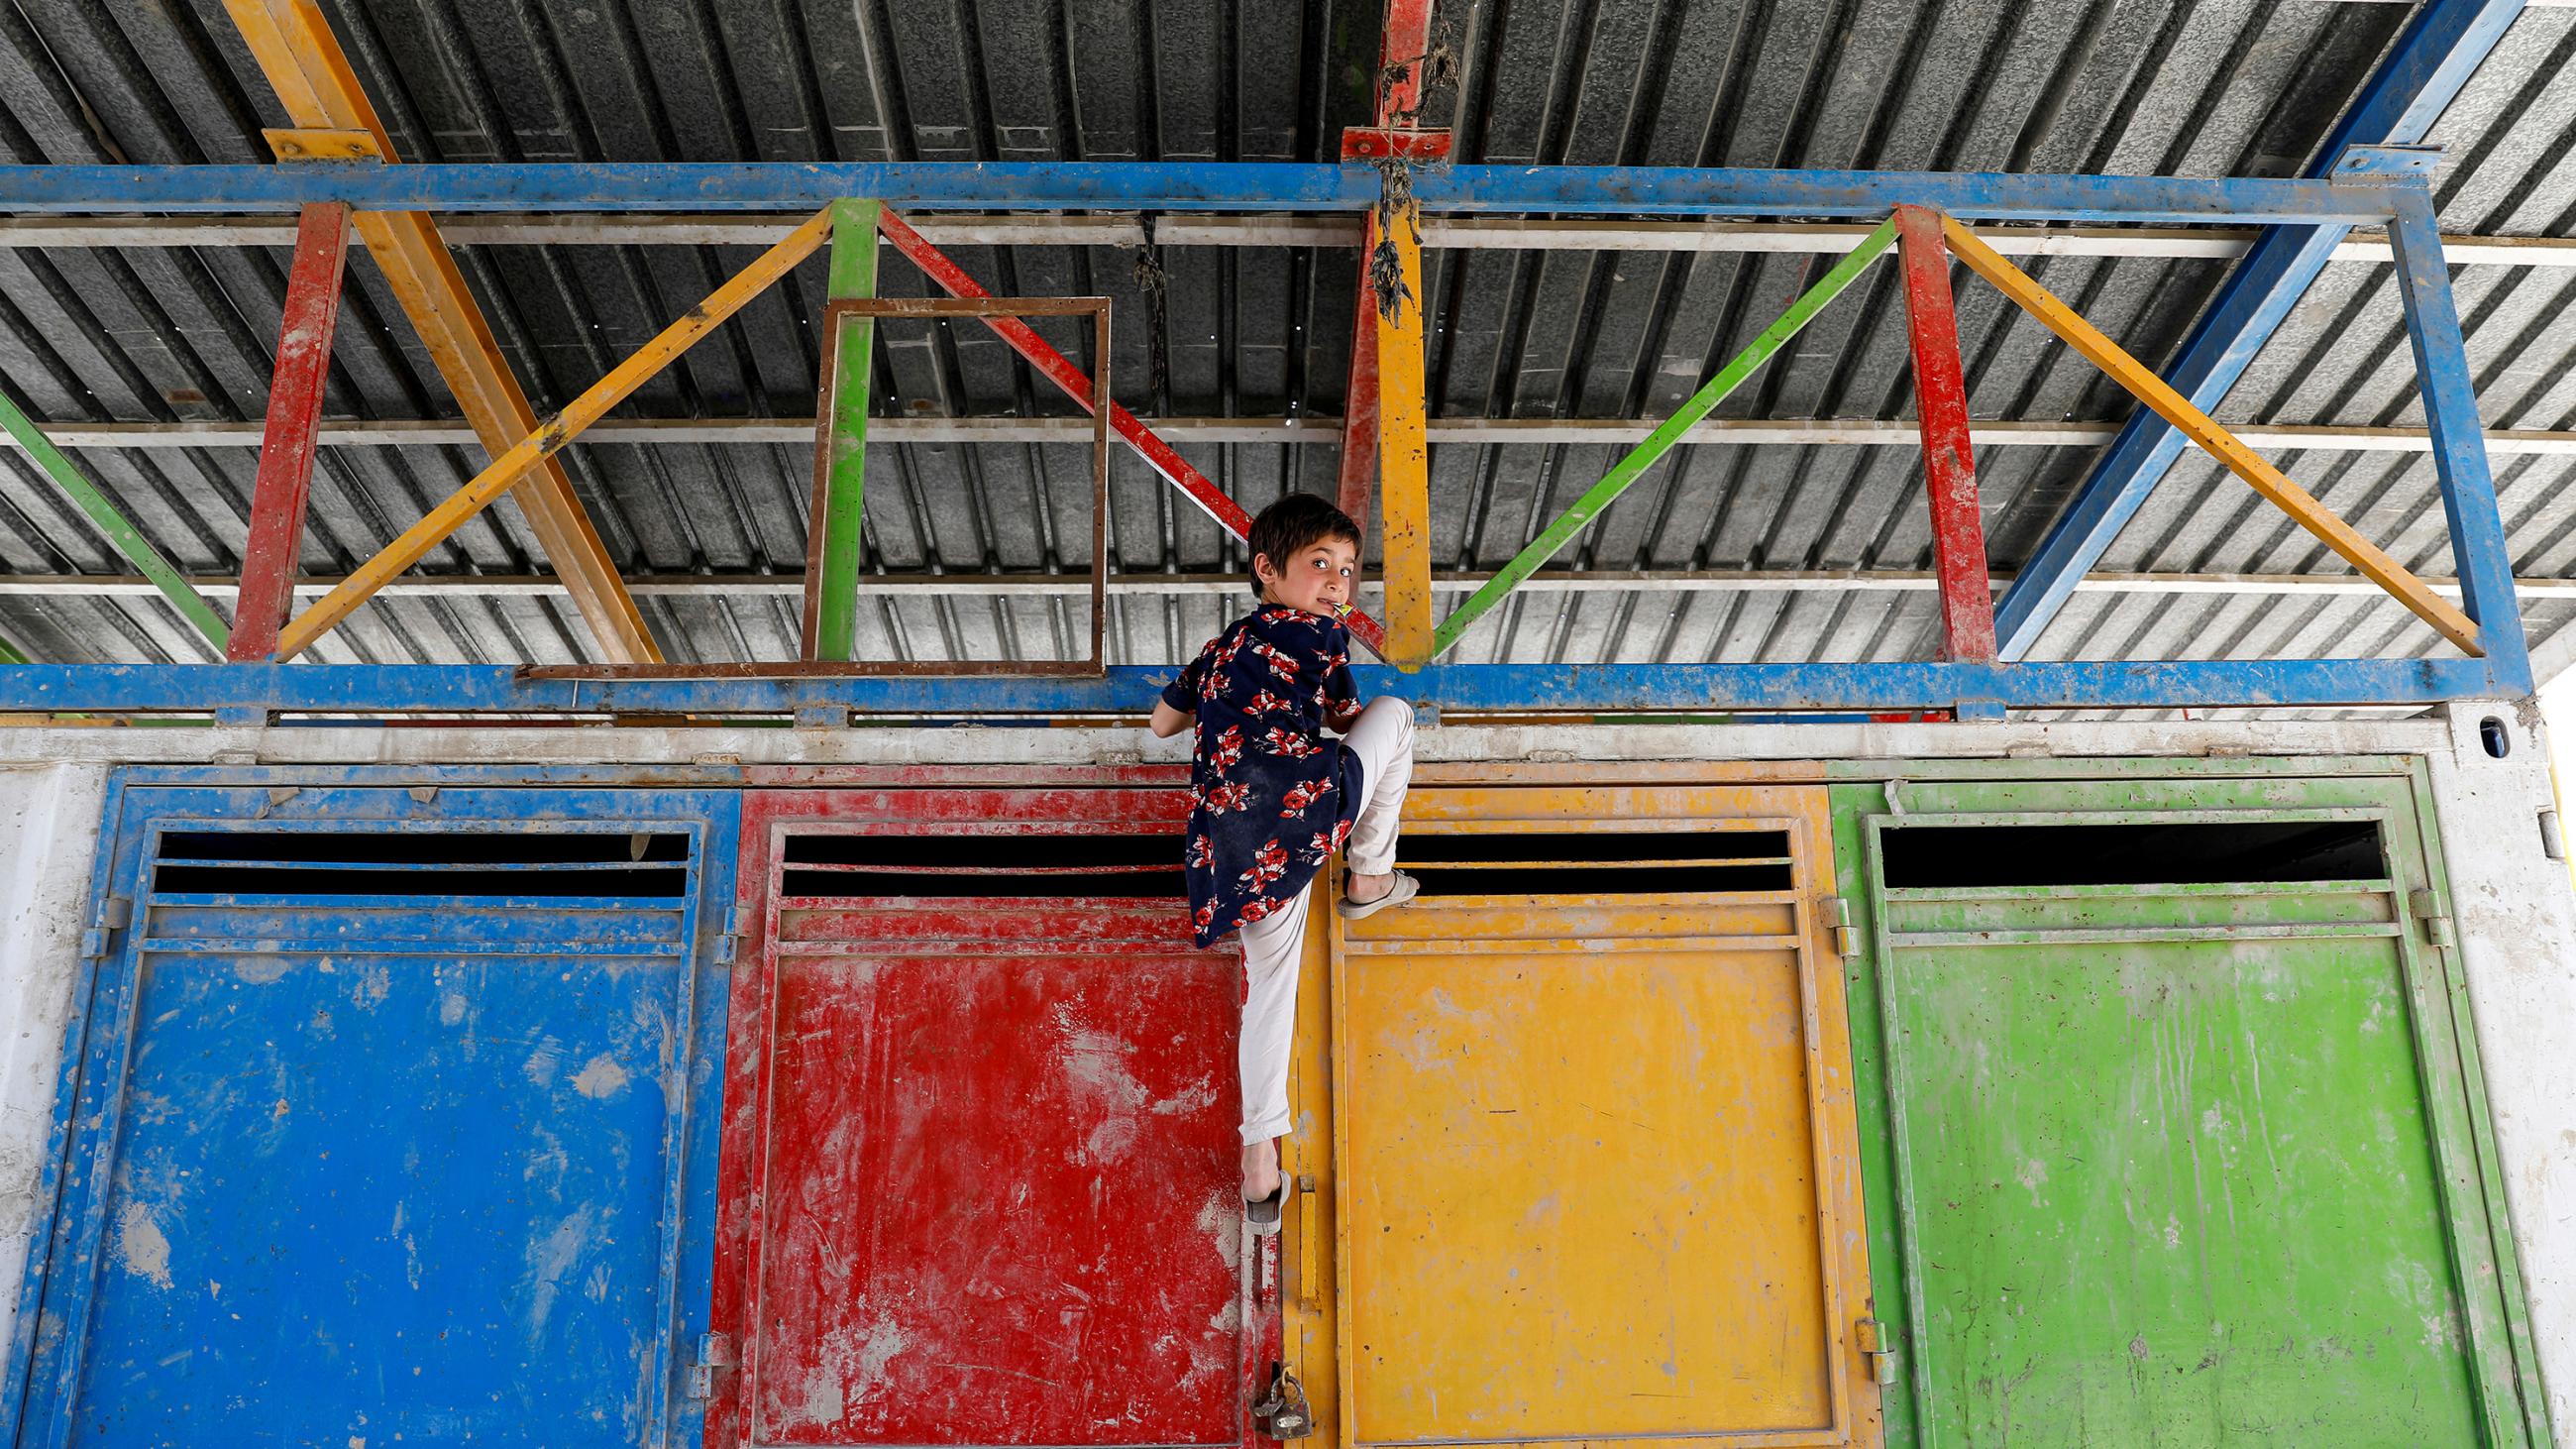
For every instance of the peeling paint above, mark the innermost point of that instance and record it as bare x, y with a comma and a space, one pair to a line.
549, 1259
141, 1246
602, 1078
544, 1062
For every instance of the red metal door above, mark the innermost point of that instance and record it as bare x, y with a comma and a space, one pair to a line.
979, 1142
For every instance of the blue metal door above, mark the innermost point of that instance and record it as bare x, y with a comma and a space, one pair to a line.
392, 1119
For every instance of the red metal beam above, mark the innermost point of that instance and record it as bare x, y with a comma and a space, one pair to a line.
1949, 462
1399, 97
1059, 369
1400, 62
286, 441
1359, 397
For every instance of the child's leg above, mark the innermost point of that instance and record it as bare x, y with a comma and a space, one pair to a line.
1383, 740
1273, 948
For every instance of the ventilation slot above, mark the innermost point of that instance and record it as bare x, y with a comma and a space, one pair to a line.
422, 863
1125, 867
1938, 857
1599, 865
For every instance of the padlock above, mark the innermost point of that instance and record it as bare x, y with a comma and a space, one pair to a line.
1282, 1413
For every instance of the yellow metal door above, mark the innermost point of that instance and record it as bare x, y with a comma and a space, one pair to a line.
1594, 1152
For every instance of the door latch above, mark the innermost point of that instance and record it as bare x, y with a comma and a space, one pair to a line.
715, 1351
1879, 1347
1282, 1412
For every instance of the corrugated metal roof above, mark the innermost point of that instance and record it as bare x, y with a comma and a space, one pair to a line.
2192, 87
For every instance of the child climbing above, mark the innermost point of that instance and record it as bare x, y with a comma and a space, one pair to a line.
1272, 798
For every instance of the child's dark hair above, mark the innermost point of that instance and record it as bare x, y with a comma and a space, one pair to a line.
1294, 524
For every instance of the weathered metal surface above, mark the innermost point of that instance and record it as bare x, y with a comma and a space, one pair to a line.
2232, 89
835, 532
2479, 553
2258, 472
1403, 50
1182, 186
542, 443
296, 49
1949, 458
1129, 690
2414, 83
980, 1148
1670, 432
110, 523
1394, 292
378, 1106
2176, 1162
295, 396
837, 541
1059, 369
1593, 1151
2504, 881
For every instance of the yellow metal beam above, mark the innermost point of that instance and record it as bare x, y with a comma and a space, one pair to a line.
2302, 506
531, 451
304, 64
1404, 456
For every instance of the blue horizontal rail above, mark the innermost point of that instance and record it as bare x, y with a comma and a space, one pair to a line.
1602, 688
1183, 186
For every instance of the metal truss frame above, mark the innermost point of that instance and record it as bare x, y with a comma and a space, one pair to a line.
2387, 186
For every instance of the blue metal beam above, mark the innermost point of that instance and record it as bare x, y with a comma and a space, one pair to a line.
1606, 688
1180, 186
2479, 553
2397, 106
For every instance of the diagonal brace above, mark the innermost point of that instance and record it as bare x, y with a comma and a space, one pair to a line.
2244, 462
295, 48
507, 469
113, 525
1059, 369
1662, 440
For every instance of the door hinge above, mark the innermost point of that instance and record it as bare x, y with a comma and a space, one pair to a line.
715, 1351
1879, 1347
114, 914
2427, 907
730, 937
1838, 913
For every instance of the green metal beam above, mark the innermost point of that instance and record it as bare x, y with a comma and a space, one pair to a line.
1659, 442
102, 514
837, 546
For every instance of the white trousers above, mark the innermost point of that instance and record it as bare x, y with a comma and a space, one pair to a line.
1275, 946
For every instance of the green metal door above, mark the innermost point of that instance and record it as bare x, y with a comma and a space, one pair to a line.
2171, 1117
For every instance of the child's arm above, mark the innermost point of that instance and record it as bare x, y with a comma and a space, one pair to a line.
1338, 695
1178, 707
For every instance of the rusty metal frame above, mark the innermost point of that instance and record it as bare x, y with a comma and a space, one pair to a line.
835, 312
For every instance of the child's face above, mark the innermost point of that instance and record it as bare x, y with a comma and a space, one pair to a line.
1319, 578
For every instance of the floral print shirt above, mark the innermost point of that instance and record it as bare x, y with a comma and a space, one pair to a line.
1270, 798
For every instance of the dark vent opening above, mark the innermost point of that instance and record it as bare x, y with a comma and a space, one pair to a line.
2144, 854
423, 847
644, 865
1122, 866
1600, 864
979, 852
